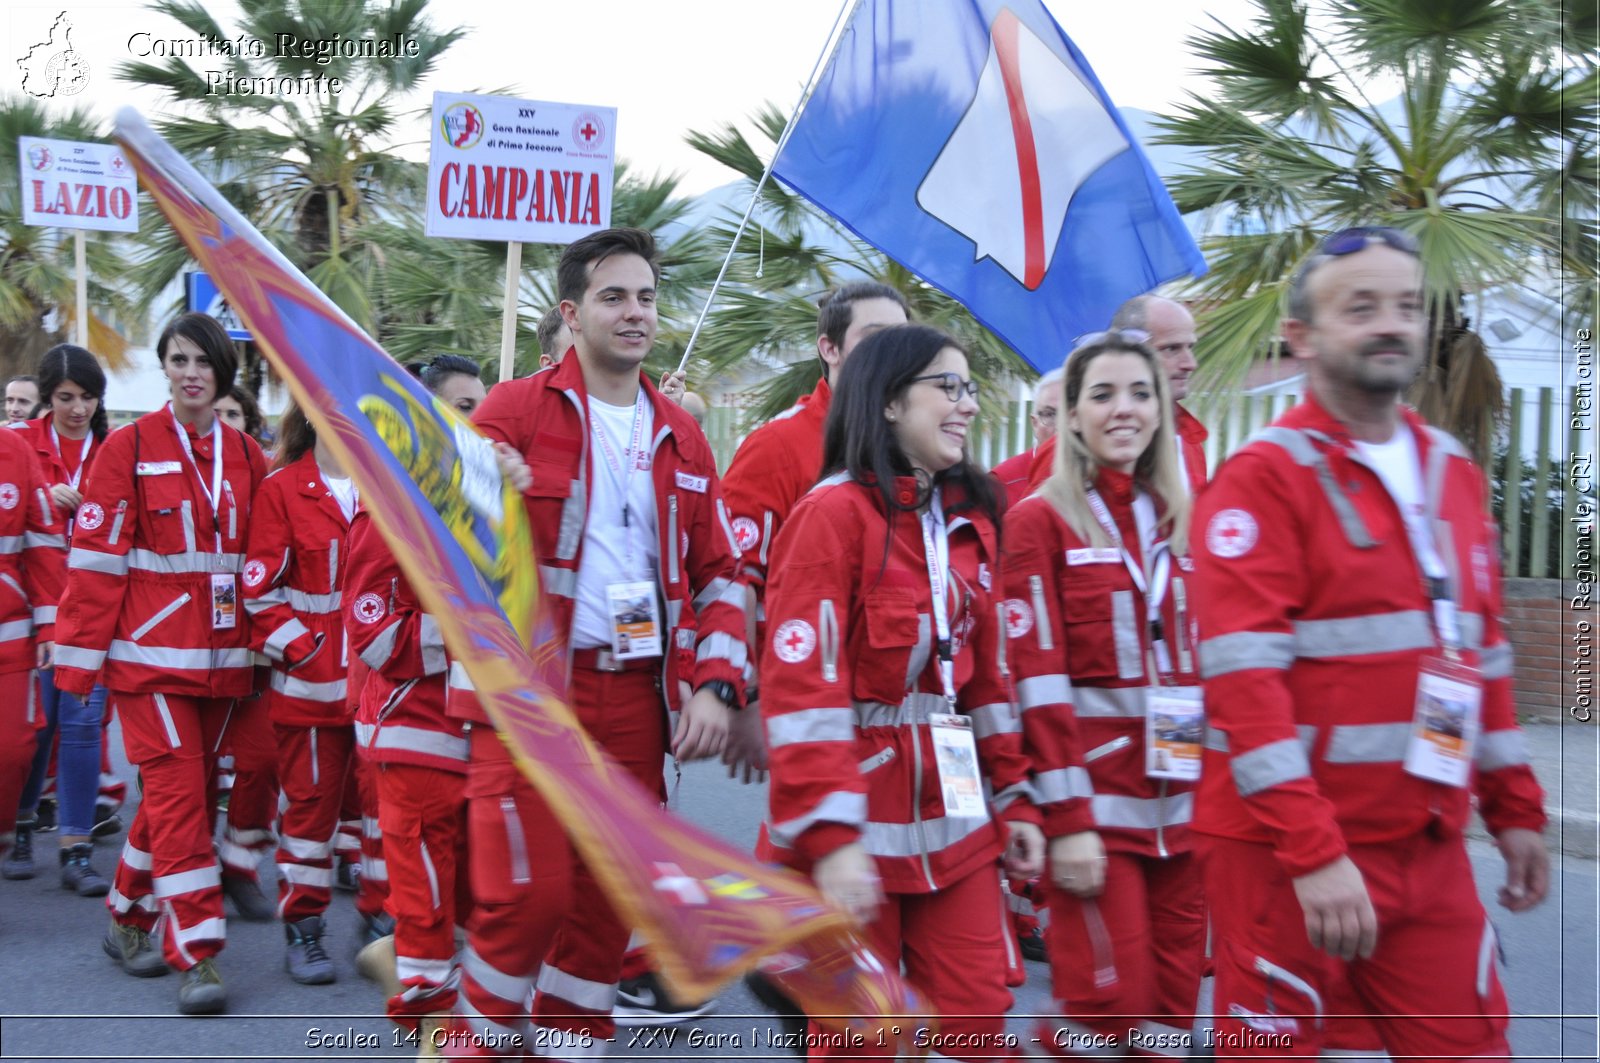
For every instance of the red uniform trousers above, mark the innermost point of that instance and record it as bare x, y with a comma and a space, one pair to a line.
535, 901
1128, 962
247, 833
313, 763
347, 842
20, 720
952, 943
1431, 984
423, 812
168, 868
372, 892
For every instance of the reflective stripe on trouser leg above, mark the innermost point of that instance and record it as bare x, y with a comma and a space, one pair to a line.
372, 890
312, 794
132, 898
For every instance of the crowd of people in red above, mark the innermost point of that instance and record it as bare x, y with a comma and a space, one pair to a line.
1179, 725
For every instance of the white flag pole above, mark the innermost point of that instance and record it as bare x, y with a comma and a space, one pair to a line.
832, 42
81, 259
508, 316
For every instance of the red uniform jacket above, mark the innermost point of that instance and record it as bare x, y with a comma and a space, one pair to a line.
545, 417
1080, 653
1192, 436
850, 677
1013, 474
401, 717
37, 432
1314, 619
138, 603
773, 469
294, 568
33, 555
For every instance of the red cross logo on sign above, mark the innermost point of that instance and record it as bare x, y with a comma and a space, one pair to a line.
1231, 533
794, 641
588, 131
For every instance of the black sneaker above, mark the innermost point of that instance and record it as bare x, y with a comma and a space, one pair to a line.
107, 824
201, 992
45, 815
307, 961
1032, 945
134, 952
18, 863
78, 873
644, 1001
248, 900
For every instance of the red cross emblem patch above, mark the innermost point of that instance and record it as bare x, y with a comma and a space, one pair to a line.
794, 641
1231, 533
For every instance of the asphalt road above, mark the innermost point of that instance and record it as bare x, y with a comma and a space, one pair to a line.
61, 998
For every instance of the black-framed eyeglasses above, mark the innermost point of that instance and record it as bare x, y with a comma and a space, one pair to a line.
951, 384
1119, 335
1360, 237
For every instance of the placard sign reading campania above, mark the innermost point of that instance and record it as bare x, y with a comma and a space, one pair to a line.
75, 185
525, 170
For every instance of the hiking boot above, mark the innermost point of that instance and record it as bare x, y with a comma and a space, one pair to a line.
45, 815
248, 900
201, 992
79, 875
18, 863
307, 961
134, 952
644, 1001
107, 824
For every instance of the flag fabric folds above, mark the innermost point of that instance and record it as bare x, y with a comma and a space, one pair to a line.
430, 482
970, 141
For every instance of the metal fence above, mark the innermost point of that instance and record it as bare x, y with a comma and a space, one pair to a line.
1535, 442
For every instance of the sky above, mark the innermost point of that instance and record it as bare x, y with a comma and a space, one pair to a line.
668, 66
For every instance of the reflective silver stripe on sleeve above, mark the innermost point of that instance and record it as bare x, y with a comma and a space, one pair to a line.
1125, 634
811, 725
82, 559
1502, 749
1142, 813
840, 806
721, 646
996, 719
44, 541
10, 544
268, 598
562, 582
459, 679
15, 629
911, 839
431, 642
1243, 650
1044, 690
719, 590
280, 638
330, 692
1270, 765
381, 648
1114, 702
1369, 743
1217, 740
44, 614
1061, 784
77, 657
1496, 661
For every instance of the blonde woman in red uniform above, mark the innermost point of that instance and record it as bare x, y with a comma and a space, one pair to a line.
152, 607
1103, 653
293, 571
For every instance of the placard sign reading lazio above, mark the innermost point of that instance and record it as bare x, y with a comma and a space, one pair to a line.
77, 185
524, 170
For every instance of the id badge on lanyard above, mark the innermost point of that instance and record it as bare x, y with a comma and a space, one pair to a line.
224, 591
955, 752
635, 615
1445, 722
1174, 724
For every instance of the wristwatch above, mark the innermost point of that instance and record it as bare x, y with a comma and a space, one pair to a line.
723, 690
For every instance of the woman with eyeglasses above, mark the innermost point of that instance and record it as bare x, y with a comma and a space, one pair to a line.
67, 440
1103, 653
888, 713
152, 606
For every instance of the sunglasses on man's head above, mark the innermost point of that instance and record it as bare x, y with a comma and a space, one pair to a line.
1360, 237
1118, 335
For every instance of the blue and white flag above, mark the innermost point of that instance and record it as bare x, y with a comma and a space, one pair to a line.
970, 141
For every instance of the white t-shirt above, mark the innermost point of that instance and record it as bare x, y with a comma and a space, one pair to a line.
344, 493
1399, 467
613, 553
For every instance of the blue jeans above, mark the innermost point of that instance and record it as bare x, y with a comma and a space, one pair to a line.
77, 761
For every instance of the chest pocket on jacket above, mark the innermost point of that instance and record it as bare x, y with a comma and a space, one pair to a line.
1086, 621
557, 500
167, 513
893, 635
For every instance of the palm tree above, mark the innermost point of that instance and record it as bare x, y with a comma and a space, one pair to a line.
1487, 156
789, 256
36, 263
310, 169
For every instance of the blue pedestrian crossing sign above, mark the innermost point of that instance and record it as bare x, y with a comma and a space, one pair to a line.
206, 297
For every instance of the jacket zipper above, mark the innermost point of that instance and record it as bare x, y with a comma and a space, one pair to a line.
171, 607
1180, 637
1041, 618
916, 804
516, 844
1000, 640
116, 523
1161, 820
1120, 742
333, 565
828, 635
233, 512
672, 539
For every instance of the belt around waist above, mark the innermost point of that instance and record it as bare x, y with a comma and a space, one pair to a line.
603, 660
